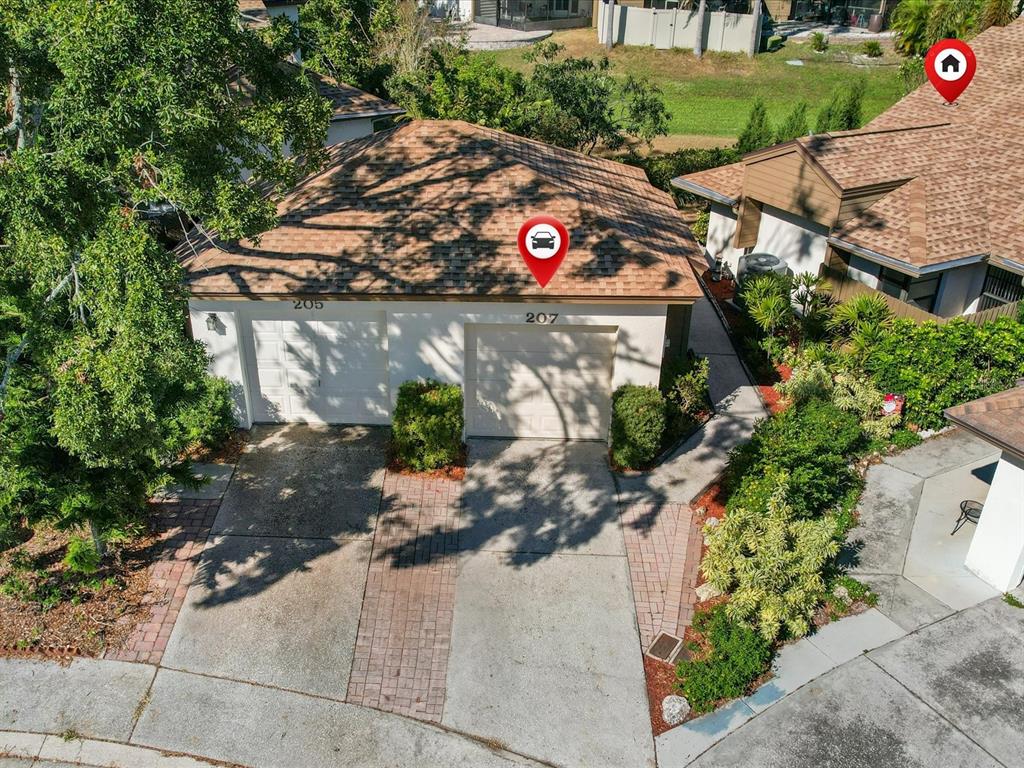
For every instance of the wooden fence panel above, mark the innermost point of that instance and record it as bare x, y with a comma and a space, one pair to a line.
843, 288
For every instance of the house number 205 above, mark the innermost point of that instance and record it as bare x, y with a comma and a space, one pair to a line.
307, 304
541, 317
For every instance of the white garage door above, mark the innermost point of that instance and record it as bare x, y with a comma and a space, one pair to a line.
539, 381
332, 371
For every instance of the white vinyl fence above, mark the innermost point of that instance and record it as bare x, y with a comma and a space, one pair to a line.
676, 28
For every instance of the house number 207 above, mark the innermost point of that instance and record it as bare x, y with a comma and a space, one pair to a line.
307, 304
541, 317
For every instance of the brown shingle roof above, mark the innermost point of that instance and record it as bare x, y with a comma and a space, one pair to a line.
725, 180
432, 208
998, 418
350, 103
967, 162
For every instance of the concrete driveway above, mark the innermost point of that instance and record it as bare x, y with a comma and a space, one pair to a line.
545, 656
277, 595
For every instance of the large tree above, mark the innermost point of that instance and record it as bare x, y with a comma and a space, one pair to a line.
118, 111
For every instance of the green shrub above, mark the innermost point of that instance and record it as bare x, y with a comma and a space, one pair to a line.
662, 168
737, 657
427, 427
639, 419
688, 390
771, 560
904, 438
81, 556
700, 227
813, 443
757, 133
872, 49
775, 42
819, 41
937, 366
206, 417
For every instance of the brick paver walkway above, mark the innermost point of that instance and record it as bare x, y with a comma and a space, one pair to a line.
182, 528
401, 656
663, 548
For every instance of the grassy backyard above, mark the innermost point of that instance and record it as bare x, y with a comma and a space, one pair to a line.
710, 99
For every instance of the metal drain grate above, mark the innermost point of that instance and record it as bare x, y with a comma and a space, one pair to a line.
664, 646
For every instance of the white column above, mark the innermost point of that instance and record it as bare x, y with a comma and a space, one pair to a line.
997, 549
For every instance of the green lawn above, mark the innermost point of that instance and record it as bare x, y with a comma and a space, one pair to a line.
712, 97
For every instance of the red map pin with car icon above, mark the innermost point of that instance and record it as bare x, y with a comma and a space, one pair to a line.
950, 66
543, 242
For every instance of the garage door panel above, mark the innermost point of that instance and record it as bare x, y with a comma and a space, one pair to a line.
322, 371
539, 382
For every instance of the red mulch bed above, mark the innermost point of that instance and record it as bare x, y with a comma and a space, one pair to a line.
456, 472
88, 615
661, 682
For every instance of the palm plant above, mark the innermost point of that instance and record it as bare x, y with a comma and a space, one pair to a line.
859, 315
812, 299
767, 299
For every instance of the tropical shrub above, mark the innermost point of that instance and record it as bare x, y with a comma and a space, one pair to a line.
81, 556
766, 299
937, 366
737, 655
639, 419
809, 381
819, 41
426, 431
872, 49
688, 390
813, 444
860, 396
771, 559
858, 313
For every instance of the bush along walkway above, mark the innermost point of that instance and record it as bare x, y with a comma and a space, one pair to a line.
663, 537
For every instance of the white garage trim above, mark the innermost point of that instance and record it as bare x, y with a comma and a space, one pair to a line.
539, 381
424, 339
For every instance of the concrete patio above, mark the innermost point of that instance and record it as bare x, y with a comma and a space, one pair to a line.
902, 547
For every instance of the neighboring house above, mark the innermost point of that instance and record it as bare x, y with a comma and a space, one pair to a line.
355, 113
850, 13
399, 261
528, 14
923, 204
997, 549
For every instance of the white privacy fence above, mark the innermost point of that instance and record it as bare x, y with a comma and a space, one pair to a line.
676, 28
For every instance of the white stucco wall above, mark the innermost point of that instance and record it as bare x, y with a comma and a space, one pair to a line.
960, 290
864, 271
346, 130
426, 339
797, 241
997, 549
721, 231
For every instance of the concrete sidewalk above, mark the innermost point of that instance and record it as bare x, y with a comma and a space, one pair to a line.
948, 694
116, 703
701, 459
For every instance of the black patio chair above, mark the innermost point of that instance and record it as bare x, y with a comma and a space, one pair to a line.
970, 511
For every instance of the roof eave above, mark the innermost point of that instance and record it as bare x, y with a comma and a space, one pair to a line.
342, 116
680, 182
900, 264
983, 434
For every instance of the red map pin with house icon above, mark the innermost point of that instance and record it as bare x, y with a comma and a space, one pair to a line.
950, 66
543, 242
